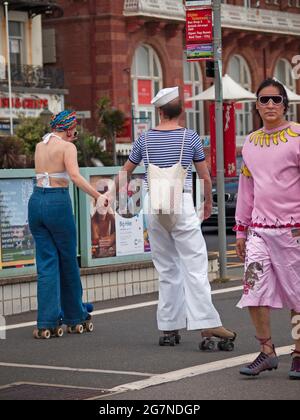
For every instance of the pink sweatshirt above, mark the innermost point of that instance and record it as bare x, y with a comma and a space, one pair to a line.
269, 186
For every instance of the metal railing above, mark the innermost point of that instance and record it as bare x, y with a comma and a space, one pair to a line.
235, 17
167, 9
260, 20
35, 76
36, 7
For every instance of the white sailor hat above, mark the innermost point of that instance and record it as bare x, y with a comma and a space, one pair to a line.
165, 96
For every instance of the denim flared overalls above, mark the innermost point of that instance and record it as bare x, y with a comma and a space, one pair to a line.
52, 225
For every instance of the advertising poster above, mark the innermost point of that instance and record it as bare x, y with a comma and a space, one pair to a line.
16, 241
188, 93
229, 141
135, 198
199, 52
103, 226
144, 92
120, 229
130, 235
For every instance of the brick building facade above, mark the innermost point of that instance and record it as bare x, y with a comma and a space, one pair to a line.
128, 49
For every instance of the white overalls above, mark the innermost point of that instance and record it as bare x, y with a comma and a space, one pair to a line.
180, 257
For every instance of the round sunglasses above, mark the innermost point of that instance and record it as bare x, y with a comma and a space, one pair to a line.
265, 99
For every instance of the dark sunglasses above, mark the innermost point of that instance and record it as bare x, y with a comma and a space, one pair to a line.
265, 99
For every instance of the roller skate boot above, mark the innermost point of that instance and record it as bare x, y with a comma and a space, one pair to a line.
263, 361
217, 338
85, 326
47, 333
295, 369
170, 338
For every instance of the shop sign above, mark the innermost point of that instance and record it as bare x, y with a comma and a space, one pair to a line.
29, 105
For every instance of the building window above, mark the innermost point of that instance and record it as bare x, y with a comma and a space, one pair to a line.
16, 43
239, 71
193, 85
146, 74
283, 72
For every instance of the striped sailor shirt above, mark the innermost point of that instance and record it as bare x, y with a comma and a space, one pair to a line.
164, 149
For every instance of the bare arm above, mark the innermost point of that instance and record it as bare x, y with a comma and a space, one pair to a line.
124, 175
71, 164
203, 173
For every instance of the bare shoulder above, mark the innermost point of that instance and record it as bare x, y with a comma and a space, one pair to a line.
38, 145
69, 147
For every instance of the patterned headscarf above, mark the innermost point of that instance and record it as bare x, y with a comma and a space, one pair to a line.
65, 120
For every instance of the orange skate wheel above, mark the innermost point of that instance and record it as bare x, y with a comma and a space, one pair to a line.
79, 329
59, 332
46, 334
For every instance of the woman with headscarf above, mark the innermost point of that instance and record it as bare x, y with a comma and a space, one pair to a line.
52, 225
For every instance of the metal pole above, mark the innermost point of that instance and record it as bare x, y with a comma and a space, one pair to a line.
219, 137
11, 123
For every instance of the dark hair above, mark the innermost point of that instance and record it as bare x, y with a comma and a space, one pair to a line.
279, 86
172, 109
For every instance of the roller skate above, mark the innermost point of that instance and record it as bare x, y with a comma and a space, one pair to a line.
170, 338
85, 326
295, 369
47, 333
217, 338
263, 361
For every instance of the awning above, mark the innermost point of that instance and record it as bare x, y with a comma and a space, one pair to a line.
232, 91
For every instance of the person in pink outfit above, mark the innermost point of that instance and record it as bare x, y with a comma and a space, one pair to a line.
268, 224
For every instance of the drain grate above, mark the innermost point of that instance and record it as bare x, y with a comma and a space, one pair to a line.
26, 391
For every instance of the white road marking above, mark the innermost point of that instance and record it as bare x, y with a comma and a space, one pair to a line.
192, 371
48, 385
157, 379
69, 369
119, 309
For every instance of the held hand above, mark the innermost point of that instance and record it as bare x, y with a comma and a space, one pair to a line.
241, 248
102, 203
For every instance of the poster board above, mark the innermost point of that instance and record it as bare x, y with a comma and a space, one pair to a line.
17, 249
118, 235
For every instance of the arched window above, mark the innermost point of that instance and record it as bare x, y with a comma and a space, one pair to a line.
193, 85
283, 72
146, 74
239, 71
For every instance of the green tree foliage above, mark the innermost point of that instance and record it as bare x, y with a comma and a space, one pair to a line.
110, 123
90, 150
31, 131
12, 153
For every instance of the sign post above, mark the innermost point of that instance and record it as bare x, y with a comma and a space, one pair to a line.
9, 70
204, 42
219, 139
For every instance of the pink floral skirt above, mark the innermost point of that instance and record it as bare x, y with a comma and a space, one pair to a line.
272, 269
